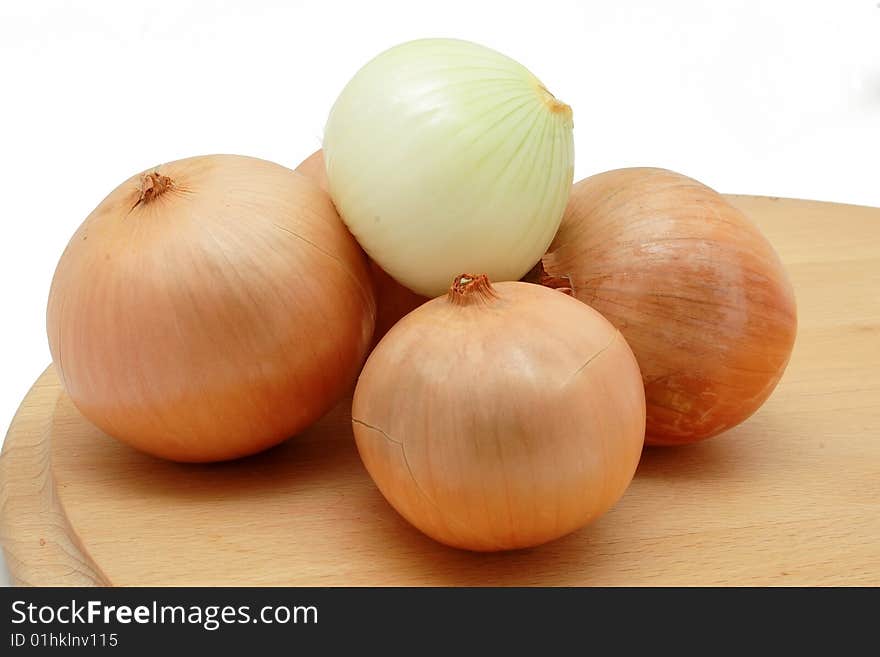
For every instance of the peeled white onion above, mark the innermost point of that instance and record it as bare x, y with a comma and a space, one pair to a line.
445, 156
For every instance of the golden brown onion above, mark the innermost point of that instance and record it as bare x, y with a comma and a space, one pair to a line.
393, 300
210, 308
500, 417
693, 285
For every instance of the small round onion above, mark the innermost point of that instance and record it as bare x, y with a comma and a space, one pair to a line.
210, 308
393, 300
693, 285
500, 417
445, 156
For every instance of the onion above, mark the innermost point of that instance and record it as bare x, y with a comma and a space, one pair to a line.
210, 308
393, 300
444, 156
693, 285
500, 417
313, 168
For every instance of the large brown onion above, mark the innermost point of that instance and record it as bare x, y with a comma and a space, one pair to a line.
500, 417
693, 285
210, 308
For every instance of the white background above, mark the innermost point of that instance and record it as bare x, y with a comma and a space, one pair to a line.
777, 98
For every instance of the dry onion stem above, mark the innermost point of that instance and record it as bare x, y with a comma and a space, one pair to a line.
693, 285
210, 308
500, 417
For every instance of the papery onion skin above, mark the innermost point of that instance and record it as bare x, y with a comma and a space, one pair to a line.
694, 286
502, 419
445, 156
211, 316
313, 168
393, 300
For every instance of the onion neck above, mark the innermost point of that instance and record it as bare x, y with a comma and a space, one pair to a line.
555, 105
540, 276
153, 185
471, 289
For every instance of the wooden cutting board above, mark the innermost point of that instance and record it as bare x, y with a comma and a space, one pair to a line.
791, 496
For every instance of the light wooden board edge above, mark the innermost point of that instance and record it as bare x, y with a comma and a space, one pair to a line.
39, 545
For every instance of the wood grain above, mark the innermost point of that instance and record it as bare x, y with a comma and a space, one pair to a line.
792, 496
37, 541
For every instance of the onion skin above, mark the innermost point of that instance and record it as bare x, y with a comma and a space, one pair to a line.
313, 168
699, 293
393, 300
212, 319
500, 420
